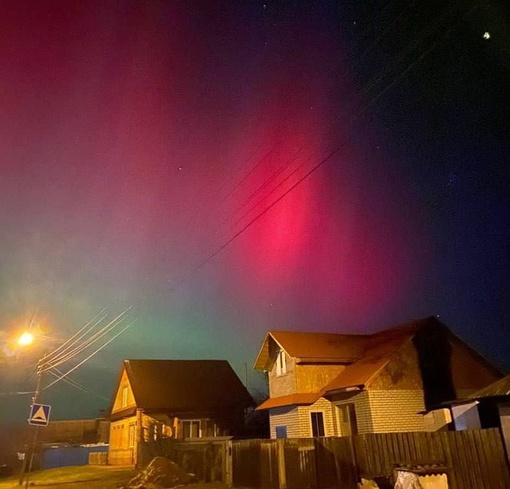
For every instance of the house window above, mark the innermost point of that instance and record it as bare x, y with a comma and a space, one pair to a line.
191, 428
281, 431
317, 419
347, 419
281, 363
156, 431
124, 401
131, 434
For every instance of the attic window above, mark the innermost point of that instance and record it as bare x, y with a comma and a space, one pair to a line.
281, 363
124, 397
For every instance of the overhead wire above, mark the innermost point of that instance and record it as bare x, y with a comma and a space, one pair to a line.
53, 362
58, 373
70, 342
259, 202
63, 376
410, 47
397, 78
93, 338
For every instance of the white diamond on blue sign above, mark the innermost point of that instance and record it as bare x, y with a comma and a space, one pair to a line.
39, 414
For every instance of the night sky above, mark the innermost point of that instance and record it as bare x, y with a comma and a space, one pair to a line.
229, 167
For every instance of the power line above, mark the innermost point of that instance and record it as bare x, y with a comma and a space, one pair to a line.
59, 374
61, 377
398, 78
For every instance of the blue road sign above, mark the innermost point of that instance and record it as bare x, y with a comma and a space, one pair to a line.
39, 414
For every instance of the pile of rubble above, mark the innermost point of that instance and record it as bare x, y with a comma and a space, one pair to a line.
160, 474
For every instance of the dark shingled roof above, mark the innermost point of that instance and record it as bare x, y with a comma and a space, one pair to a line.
185, 385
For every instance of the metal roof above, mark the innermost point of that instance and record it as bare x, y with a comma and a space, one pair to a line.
185, 385
499, 388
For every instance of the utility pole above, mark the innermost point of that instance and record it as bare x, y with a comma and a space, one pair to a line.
36, 428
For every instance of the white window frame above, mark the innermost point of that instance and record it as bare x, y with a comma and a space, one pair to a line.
189, 421
281, 363
316, 411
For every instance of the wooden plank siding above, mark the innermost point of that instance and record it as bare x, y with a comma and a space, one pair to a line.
255, 464
473, 459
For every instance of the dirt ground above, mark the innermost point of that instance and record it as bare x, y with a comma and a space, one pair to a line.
88, 477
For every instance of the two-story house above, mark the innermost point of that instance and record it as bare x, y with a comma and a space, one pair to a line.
181, 399
327, 384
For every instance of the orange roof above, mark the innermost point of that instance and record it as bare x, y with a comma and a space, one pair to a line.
330, 347
365, 355
290, 400
313, 347
379, 350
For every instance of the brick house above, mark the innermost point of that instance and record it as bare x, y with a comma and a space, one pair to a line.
181, 399
328, 384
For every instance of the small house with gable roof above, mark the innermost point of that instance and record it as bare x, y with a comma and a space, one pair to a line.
180, 399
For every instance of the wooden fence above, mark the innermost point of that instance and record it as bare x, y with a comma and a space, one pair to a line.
206, 460
473, 459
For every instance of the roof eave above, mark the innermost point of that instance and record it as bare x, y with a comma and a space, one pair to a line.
260, 363
344, 390
325, 360
122, 413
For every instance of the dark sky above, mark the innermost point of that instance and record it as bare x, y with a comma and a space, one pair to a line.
230, 167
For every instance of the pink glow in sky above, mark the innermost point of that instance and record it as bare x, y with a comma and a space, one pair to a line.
138, 138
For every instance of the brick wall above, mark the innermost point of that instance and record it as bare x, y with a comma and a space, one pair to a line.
322, 405
376, 412
396, 410
363, 414
285, 416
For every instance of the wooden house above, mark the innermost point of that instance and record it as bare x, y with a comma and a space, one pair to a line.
328, 384
180, 399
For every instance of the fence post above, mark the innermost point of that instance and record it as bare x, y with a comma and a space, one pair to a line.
281, 463
227, 457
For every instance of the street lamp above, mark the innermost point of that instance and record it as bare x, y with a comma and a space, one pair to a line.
94, 330
26, 339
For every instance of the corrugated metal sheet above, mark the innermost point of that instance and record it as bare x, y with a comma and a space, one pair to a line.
499, 388
68, 456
